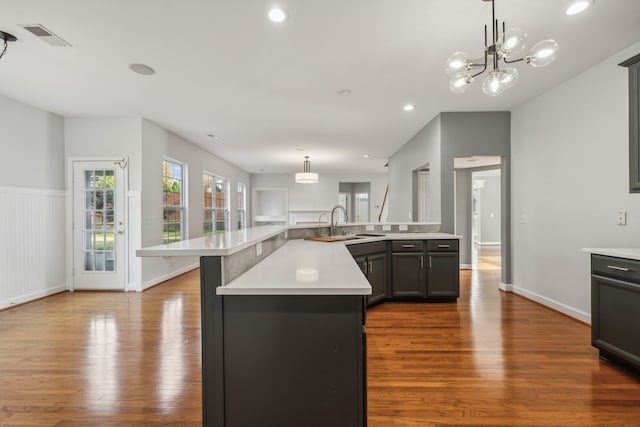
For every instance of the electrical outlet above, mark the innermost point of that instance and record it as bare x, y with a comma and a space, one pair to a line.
622, 218
403, 227
258, 249
523, 219
369, 228
286, 234
386, 228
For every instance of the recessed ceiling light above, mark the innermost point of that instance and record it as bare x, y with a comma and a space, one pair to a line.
366, 156
343, 92
578, 6
409, 107
277, 15
145, 70
299, 149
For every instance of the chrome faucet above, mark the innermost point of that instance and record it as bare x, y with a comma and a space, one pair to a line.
319, 222
334, 225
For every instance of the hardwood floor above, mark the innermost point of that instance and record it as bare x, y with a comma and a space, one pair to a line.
131, 359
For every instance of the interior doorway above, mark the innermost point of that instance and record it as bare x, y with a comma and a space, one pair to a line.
355, 197
486, 218
478, 207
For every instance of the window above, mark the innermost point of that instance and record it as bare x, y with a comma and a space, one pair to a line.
216, 210
242, 206
173, 187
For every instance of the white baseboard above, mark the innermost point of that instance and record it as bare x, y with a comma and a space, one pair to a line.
548, 302
465, 266
506, 287
33, 296
170, 275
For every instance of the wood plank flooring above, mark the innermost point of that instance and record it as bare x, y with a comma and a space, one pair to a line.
130, 359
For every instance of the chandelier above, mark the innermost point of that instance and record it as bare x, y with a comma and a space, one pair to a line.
506, 47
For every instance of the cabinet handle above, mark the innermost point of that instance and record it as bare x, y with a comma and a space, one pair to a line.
408, 246
421, 262
430, 258
370, 267
444, 246
613, 267
364, 267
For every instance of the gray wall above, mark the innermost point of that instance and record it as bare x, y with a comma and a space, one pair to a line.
570, 177
32, 142
490, 210
463, 213
478, 134
421, 150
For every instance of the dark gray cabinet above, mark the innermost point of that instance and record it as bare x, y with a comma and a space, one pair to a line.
407, 269
634, 122
372, 260
615, 309
443, 269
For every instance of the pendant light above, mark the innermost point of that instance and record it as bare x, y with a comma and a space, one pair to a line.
306, 177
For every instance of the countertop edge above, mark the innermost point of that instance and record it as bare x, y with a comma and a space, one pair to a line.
627, 253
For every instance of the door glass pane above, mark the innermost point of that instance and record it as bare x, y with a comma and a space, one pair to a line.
99, 221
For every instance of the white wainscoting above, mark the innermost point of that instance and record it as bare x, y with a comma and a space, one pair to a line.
32, 244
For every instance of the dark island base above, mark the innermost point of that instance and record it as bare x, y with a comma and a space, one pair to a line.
271, 360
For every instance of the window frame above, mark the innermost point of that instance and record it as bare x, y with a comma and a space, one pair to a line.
225, 210
241, 205
182, 207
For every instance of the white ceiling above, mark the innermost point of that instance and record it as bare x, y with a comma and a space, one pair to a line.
268, 90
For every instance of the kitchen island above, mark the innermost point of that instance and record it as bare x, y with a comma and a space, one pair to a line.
283, 333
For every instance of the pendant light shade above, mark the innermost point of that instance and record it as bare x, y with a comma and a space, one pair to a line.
306, 177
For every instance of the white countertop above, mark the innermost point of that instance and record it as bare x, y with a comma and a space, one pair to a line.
217, 245
628, 253
302, 267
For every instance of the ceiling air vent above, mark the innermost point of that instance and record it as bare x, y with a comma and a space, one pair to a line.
45, 35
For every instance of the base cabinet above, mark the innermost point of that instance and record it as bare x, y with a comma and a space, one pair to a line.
372, 260
408, 279
443, 269
615, 309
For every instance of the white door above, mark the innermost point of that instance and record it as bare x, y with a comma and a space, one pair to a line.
423, 196
98, 226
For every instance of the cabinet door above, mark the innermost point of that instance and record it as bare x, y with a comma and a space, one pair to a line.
615, 314
408, 278
377, 275
443, 278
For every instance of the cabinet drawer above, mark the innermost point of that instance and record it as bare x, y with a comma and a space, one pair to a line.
442, 245
619, 268
407, 246
367, 248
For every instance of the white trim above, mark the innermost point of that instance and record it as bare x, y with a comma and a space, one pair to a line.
69, 214
487, 243
40, 191
168, 276
33, 296
465, 267
506, 287
552, 304
134, 279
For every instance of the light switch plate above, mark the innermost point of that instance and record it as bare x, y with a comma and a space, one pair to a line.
259, 249
386, 228
286, 234
403, 227
369, 228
